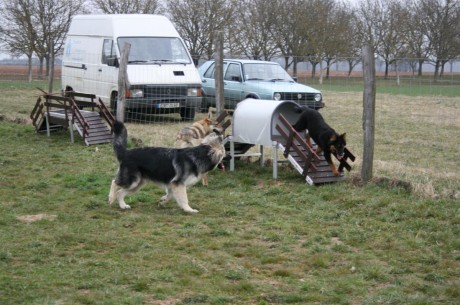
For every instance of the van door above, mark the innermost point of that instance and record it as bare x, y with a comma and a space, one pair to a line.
107, 70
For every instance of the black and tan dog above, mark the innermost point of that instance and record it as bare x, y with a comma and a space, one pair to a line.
173, 168
327, 139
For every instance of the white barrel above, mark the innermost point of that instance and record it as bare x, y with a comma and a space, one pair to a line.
254, 121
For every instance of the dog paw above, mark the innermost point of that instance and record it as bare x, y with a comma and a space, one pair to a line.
191, 211
125, 207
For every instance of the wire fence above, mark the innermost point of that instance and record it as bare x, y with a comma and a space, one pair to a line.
162, 92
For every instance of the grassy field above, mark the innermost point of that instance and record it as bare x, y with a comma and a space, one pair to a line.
255, 240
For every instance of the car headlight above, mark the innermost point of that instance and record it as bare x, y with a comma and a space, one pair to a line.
277, 96
318, 97
136, 93
194, 92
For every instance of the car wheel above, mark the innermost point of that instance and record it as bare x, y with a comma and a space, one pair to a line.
187, 113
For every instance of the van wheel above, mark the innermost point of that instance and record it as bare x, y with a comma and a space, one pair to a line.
187, 113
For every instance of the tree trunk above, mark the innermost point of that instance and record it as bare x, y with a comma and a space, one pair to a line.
29, 69
387, 65
420, 67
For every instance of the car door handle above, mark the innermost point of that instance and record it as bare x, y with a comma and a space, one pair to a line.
100, 70
204, 81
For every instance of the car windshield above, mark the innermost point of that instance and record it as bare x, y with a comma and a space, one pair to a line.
266, 72
156, 50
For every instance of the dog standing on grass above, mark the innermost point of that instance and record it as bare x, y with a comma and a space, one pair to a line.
173, 168
327, 139
191, 136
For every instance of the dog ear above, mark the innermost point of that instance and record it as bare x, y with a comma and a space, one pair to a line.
333, 138
343, 136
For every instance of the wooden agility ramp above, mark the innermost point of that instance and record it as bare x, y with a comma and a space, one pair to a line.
52, 112
314, 168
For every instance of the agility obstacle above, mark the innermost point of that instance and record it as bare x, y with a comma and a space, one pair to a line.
52, 112
269, 123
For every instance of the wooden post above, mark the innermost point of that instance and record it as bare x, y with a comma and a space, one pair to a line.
219, 73
123, 82
368, 112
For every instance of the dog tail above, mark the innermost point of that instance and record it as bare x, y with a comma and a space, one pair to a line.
120, 139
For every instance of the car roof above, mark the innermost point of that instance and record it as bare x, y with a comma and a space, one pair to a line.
248, 61
252, 61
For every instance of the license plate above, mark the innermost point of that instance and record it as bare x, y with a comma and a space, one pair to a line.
169, 105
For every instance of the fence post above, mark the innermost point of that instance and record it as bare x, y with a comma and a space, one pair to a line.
368, 112
123, 82
219, 73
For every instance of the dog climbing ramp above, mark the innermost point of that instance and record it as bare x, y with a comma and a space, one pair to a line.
269, 123
59, 112
313, 167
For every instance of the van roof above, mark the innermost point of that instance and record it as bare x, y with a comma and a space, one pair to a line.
120, 25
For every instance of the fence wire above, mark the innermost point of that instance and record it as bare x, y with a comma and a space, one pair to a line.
163, 102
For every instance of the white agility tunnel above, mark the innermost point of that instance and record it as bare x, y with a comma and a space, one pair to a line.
254, 122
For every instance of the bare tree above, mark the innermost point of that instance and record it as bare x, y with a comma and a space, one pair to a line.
35, 25
52, 21
128, 7
254, 38
417, 43
382, 25
442, 19
198, 21
392, 44
18, 31
289, 30
352, 46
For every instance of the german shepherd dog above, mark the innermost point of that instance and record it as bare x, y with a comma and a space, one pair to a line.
191, 136
173, 168
327, 139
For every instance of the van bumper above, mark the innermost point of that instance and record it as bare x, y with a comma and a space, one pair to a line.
163, 105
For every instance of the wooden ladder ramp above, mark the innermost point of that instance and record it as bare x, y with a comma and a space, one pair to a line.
66, 112
314, 168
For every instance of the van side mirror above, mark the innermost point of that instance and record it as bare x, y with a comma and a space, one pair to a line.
112, 61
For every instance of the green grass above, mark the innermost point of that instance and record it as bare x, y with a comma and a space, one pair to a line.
255, 240
448, 86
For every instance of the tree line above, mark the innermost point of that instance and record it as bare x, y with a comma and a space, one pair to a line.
314, 31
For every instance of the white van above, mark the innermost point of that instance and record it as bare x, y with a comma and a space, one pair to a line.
161, 73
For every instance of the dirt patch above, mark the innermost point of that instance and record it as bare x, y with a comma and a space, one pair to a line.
383, 182
33, 218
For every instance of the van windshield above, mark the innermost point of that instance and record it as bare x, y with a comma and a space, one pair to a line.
155, 50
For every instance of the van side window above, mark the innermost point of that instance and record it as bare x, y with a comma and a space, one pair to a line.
108, 51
